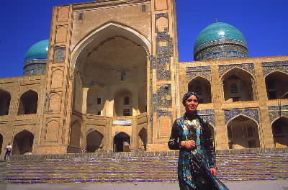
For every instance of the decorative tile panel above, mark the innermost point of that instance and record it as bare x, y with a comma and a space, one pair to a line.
277, 112
249, 67
270, 67
208, 115
252, 113
201, 71
164, 98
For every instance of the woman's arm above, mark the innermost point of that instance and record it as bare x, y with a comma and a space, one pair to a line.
174, 142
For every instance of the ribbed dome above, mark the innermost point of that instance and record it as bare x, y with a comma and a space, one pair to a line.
37, 51
216, 35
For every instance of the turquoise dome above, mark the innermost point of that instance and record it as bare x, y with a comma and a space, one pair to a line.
220, 41
219, 31
38, 51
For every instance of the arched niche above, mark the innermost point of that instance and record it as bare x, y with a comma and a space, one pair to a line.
280, 132
23, 142
142, 139
238, 85
28, 103
202, 87
243, 133
5, 99
276, 85
121, 142
123, 105
94, 141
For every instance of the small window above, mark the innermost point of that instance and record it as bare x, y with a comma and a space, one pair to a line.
80, 16
236, 99
126, 112
250, 131
99, 101
126, 100
234, 88
99, 113
123, 76
143, 8
251, 144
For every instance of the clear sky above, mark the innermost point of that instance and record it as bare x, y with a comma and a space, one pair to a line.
264, 23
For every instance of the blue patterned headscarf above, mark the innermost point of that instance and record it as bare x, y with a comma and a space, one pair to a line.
187, 95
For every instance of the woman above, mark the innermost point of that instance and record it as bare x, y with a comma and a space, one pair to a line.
196, 163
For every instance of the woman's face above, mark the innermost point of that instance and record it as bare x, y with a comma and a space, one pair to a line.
191, 104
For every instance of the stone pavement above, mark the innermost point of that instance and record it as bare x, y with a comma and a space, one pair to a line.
243, 185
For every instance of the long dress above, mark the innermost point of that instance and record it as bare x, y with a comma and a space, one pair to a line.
194, 165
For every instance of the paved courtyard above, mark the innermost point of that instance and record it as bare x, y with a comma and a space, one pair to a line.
246, 185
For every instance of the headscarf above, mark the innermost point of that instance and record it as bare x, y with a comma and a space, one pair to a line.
187, 95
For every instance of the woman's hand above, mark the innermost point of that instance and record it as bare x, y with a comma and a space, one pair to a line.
189, 144
213, 171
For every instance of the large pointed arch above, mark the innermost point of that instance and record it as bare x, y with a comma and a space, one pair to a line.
112, 57
238, 85
243, 133
103, 32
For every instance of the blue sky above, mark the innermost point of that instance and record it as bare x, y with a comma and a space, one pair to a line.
264, 24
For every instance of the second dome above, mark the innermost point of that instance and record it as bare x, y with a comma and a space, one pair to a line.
220, 41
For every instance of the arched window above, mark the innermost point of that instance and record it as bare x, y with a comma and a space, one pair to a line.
94, 141
243, 133
28, 103
23, 142
5, 99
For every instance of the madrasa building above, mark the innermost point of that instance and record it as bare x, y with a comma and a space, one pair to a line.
109, 79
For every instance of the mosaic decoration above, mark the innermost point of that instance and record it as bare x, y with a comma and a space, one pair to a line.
208, 115
59, 54
164, 98
35, 67
161, 113
277, 112
270, 67
164, 52
249, 67
220, 49
201, 71
249, 112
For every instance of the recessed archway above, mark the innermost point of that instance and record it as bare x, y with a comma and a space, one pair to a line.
28, 103
202, 87
142, 139
23, 143
243, 133
94, 141
238, 85
280, 132
276, 85
75, 137
1, 142
5, 99
121, 142
113, 58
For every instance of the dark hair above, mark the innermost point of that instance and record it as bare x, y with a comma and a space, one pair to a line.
187, 95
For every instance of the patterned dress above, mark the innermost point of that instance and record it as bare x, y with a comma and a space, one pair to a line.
194, 165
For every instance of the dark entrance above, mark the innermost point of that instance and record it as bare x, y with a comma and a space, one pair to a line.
121, 142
